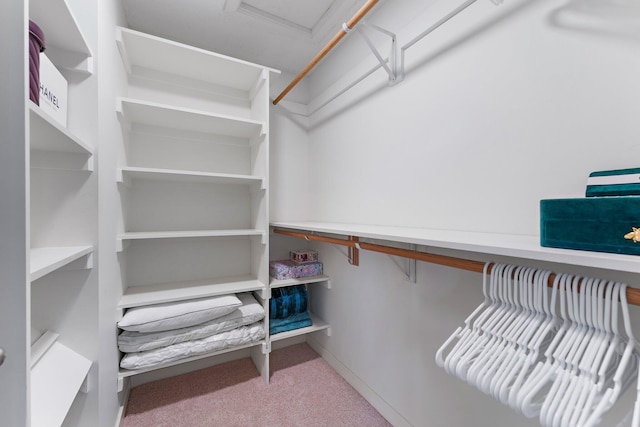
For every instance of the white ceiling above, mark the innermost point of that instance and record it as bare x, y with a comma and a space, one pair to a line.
282, 34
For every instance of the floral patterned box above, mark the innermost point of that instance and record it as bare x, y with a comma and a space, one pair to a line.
289, 269
303, 255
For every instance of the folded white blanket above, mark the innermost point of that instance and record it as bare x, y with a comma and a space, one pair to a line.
249, 312
162, 355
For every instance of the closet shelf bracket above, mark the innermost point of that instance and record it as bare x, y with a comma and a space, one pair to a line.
390, 65
409, 269
354, 251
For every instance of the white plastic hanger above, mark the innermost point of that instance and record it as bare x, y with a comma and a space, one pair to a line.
469, 364
505, 355
587, 377
551, 323
463, 331
560, 376
567, 369
468, 341
626, 366
575, 393
508, 355
609, 294
482, 370
528, 340
529, 402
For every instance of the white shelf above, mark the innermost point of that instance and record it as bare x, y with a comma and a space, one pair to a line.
187, 176
46, 260
56, 379
275, 283
136, 296
147, 51
65, 43
222, 101
123, 373
148, 235
318, 325
131, 111
48, 135
41, 346
518, 246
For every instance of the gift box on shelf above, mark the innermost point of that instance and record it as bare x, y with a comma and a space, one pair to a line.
53, 91
289, 269
601, 224
303, 255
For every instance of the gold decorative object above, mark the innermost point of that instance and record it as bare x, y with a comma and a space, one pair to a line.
633, 235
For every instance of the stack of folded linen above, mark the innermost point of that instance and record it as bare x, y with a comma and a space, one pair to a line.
289, 309
158, 334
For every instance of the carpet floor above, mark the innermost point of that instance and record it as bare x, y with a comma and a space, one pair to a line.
304, 391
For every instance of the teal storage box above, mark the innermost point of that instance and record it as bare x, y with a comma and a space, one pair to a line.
618, 182
601, 224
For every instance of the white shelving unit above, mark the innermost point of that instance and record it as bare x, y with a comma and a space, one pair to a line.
47, 260
155, 235
127, 174
63, 229
144, 51
519, 246
51, 136
137, 296
57, 374
193, 178
275, 283
317, 323
67, 46
55, 147
124, 373
162, 115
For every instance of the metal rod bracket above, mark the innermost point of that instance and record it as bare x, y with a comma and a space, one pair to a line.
409, 267
390, 65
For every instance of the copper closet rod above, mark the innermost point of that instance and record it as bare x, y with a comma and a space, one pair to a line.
332, 43
633, 295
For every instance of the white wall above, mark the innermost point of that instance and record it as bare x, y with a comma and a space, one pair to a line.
499, 108
14, 211
289, 179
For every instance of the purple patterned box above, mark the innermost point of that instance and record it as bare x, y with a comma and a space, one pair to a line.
303, 255
289, 269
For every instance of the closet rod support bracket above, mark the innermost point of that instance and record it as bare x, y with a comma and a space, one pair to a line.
390, 65
354, 251
409, 269
411, 275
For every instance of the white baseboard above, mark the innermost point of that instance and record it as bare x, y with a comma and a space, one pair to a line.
386, 410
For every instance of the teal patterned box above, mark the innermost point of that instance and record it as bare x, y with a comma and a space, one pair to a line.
601, 224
